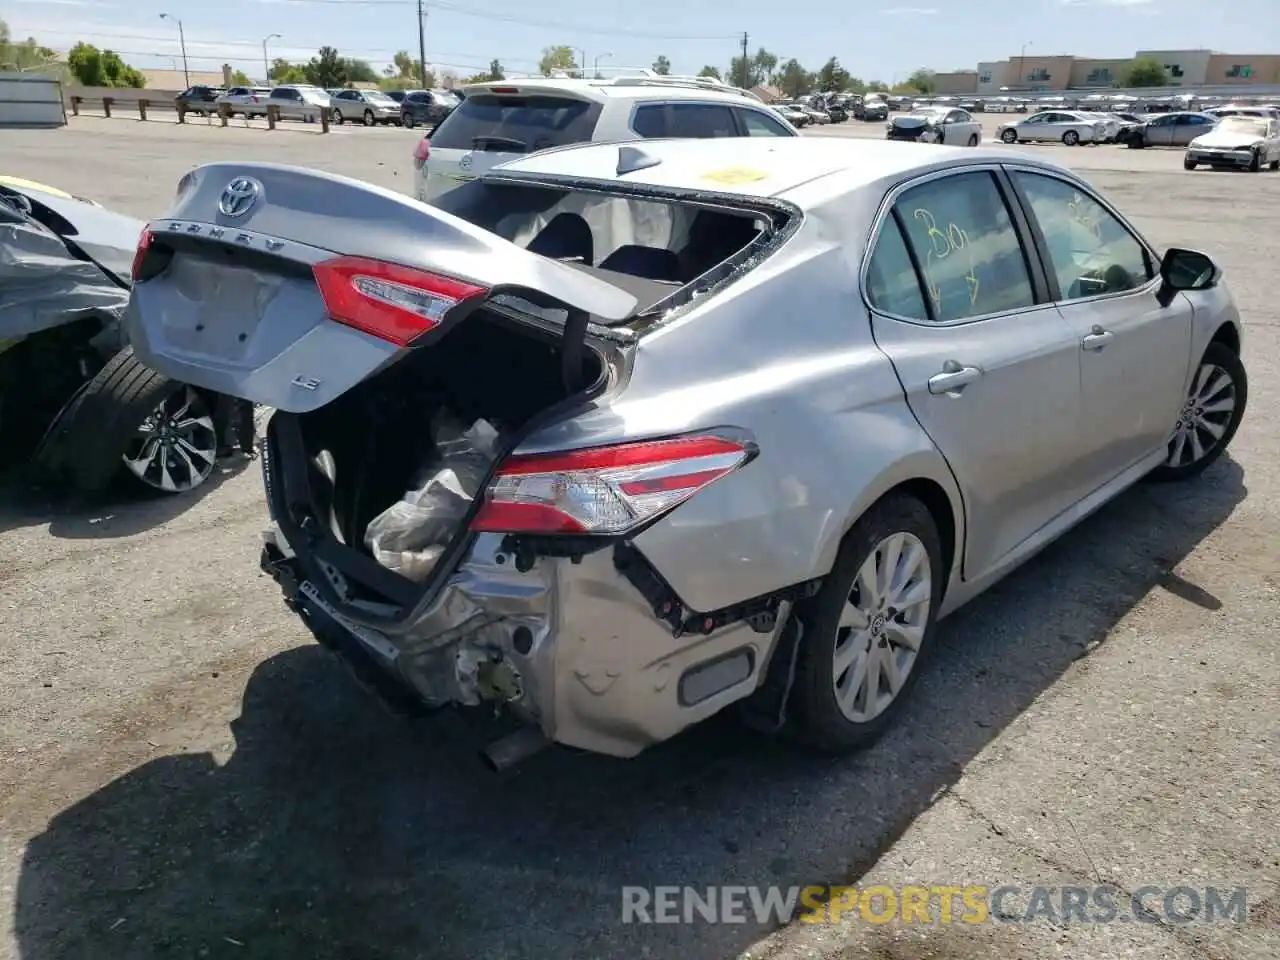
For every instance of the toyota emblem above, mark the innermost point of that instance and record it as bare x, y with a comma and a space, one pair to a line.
464, 162
239, 197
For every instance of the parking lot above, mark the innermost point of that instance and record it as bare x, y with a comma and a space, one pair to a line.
183, 773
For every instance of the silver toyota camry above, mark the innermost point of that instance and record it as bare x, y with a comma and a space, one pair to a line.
620, 435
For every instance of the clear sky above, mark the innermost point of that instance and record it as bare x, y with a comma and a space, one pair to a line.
882, 40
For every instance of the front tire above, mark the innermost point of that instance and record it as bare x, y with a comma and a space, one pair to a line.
1274, 165
973, 139
868, 630
1071, 138
1189, 164
1255, 163
1009, 136
368, 118
98, 432
408, 121
335, 116
1210, 415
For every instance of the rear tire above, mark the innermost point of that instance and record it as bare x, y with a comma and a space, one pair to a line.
1071, 138
1274, 165
1136, 142
86, 444
973, 139
1223, 360
407, 122
368, 118
831, 627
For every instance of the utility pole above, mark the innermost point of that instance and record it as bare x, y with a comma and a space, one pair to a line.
182, 40
422, 46
266, 65
746, 80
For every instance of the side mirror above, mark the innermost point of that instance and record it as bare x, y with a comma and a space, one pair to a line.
1186, 270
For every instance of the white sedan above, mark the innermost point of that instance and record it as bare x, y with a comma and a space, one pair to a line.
1071, 127
1238, 141
938, 124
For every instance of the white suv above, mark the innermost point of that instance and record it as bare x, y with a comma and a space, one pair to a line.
500, 120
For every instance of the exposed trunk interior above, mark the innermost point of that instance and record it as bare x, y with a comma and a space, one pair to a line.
366, 448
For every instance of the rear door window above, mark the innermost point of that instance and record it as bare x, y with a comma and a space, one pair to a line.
516, 124
970, 256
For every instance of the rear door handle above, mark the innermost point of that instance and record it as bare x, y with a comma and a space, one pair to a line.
953, 378
1097, 339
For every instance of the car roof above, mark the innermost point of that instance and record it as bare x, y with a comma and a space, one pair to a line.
753, 166
615, 89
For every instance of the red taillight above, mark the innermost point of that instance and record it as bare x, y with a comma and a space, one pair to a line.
504, 90
422, 152
387, 300
144, 244
604, 490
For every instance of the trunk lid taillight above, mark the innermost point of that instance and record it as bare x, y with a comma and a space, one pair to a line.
607, 491
386, 300
422, 153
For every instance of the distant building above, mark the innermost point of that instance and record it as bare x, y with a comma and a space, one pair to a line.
767, 93
176, 80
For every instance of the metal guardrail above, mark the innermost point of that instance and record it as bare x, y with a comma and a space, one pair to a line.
221, 111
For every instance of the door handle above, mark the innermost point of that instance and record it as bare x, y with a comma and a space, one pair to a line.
1097, 339
953, 378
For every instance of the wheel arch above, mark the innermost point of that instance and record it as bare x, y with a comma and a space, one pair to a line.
928, 480
1228, 336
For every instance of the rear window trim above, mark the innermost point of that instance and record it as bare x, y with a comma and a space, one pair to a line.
784, 218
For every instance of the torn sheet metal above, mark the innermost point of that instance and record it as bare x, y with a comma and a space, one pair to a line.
42, 285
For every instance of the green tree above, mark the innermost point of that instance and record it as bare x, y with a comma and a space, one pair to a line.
240, 78
832, 76
759, 68
921, 81
101, 68
1144, 72
877, 86
326, 69
359, 71
662, 65
26, 54
282, 71
793, 79
557, 58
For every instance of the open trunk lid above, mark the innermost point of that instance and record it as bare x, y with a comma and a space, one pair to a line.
287, 286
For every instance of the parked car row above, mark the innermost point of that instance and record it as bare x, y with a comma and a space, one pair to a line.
1232, 136
306, 102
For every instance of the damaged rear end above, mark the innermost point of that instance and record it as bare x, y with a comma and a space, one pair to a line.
413, 358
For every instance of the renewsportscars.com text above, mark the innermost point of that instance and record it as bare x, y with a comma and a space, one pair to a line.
970, 904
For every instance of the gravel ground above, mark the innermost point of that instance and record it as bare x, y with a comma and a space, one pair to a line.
184, 774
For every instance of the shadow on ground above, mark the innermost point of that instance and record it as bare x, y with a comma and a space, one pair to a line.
336, 831
125, 509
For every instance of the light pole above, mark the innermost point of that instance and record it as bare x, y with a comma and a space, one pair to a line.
182, 40
595, 65
1022, 64
266, 65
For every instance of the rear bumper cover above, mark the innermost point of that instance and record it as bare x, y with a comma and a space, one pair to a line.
593, 666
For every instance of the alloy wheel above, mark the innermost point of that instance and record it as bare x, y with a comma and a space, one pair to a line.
1204, 418
882, 627
175, 447
1009, 136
